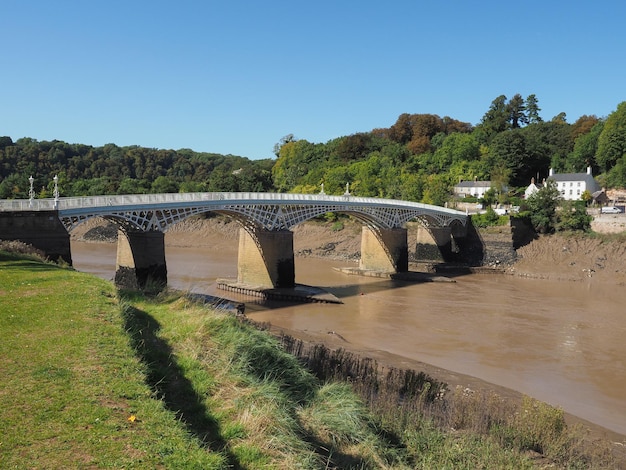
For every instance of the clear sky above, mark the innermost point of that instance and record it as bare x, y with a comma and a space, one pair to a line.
235, 76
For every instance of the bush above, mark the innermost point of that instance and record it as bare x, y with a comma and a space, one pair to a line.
489, 219
573, 216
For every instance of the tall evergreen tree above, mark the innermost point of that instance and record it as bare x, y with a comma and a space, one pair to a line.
532, 110
496, 118
516, 110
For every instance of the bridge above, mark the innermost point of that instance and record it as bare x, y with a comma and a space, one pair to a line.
265, 256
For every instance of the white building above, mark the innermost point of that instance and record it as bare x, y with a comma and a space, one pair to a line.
472, 188
573, 185
531, 189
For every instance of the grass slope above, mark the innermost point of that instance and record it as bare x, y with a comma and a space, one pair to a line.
73, 392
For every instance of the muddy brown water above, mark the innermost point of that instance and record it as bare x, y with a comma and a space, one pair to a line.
560, 342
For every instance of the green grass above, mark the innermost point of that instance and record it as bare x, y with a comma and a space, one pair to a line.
71, 381
94, 378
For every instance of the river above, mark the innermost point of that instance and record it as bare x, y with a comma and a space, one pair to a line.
563, 343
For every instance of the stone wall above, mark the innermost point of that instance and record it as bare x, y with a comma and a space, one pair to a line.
41, 229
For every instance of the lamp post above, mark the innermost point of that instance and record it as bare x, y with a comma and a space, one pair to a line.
31, 191
56, 191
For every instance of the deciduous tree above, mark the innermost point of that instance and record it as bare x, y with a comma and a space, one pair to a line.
542, 206
612, 139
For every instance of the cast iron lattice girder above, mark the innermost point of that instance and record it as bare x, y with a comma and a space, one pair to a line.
271, 217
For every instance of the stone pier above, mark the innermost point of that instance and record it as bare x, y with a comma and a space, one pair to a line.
265, 259
140, 259
384, 250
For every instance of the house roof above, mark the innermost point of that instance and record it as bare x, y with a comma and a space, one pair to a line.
571, 177
474, 184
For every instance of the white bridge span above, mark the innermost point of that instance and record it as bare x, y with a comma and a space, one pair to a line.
270, 211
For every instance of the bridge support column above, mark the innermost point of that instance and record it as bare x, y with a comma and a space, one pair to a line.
41, 229
435, 244
140, 259
265, 259
384, 250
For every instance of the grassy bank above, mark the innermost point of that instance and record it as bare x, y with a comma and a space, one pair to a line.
93, 378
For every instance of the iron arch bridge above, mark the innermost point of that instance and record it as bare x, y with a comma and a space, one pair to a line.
269, 211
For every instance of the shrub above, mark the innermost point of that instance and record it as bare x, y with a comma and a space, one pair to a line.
489, 218
573, 216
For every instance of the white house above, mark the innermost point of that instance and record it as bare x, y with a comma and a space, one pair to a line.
573, 185
531, 189
472, 188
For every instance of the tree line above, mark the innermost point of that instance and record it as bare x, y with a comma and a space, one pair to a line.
418, 158
85, 170
422, 156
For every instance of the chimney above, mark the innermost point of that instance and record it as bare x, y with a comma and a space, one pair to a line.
550, 172
589, 170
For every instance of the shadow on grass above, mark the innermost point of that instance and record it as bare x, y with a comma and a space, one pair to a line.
25, 261
168, 381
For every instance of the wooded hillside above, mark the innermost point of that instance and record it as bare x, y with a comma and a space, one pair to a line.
418, 158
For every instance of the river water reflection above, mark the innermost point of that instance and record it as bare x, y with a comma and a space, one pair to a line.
560, 342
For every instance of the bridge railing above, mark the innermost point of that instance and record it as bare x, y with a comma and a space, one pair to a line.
66, 203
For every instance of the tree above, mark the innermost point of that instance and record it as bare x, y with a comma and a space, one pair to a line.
542, 206
436, 190
547, 145
164, 184
284, 140
516, 111
354, 147
402, 130
500, 182
612, 139
489, 198
532, 110
616, 177
585, 148
5, 141
455, 148
296, 159
583, 125
508, 151
496, 118
573, 216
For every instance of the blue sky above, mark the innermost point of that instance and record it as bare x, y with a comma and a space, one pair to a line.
233, 77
